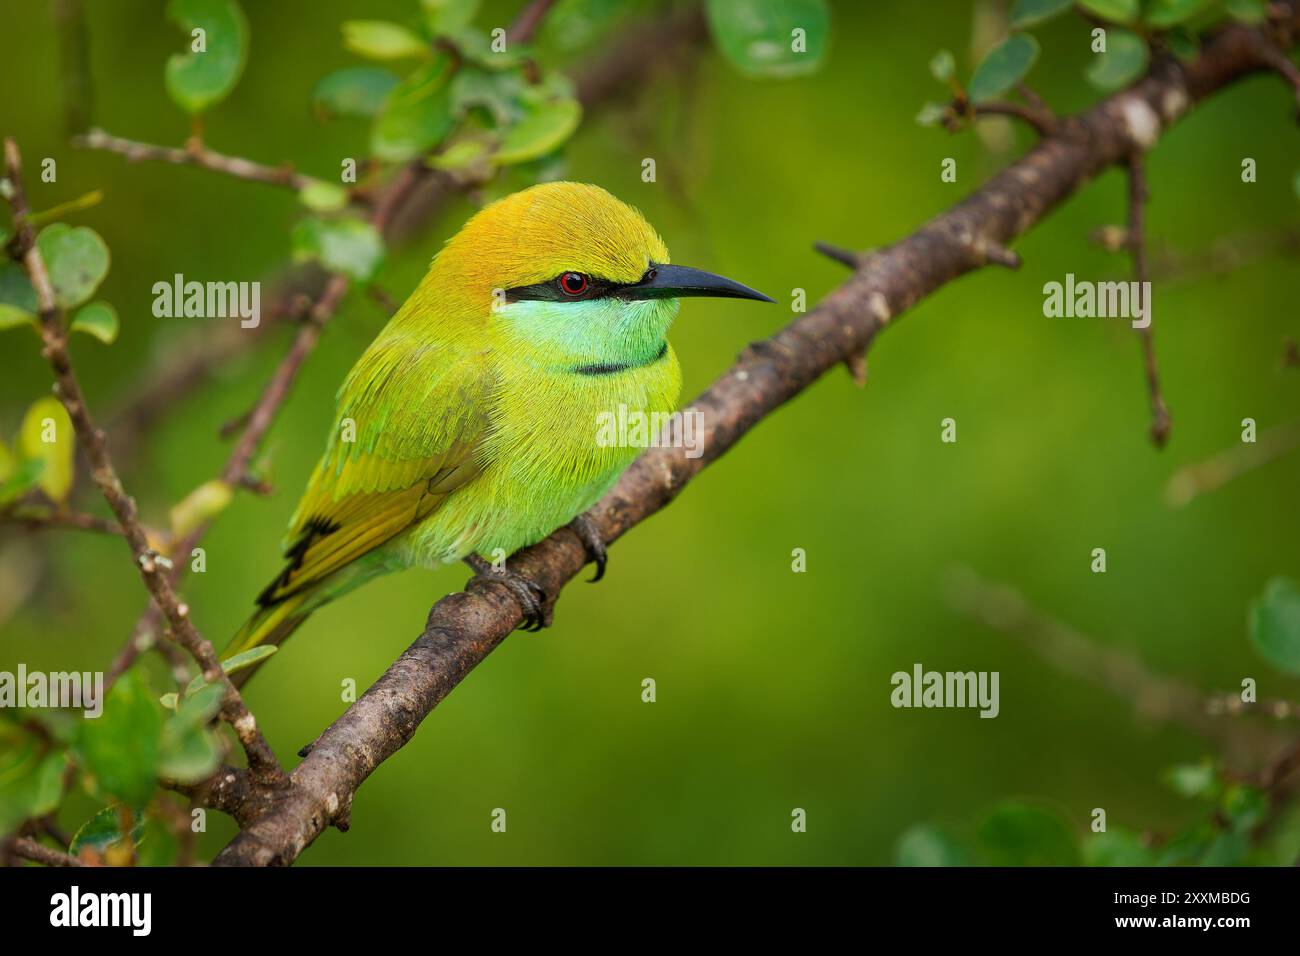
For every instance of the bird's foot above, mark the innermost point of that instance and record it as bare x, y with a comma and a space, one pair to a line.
530, 597
589, 535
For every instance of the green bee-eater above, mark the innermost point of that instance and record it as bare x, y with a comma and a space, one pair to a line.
470, 423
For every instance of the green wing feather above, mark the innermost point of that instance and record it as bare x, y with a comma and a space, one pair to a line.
408, 432
416, 417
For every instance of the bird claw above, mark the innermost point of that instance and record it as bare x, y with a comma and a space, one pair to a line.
531, 598
590, 537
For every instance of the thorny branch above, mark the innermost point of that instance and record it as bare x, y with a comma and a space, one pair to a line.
463, 628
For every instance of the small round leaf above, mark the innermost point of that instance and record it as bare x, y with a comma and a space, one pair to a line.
1003, 67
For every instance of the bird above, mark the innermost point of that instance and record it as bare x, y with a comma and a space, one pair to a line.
469, 425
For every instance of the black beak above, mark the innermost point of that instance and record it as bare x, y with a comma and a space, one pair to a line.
678, 282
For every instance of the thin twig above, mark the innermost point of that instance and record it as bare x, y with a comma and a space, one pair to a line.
1191, 482
1042, 122
36, 518
194, 154
1137, 198
260, 758
29, 849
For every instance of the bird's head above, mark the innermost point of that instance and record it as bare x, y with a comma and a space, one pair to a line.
571, 276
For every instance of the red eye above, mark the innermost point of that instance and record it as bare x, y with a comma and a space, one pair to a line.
573, 283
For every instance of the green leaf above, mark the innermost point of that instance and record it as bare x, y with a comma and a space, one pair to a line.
200, 506
320, 196
46, 435
189, 751
1226, 849
16, 291
231, 665
357, 91
942, 66
248, 658
1025, 834
500, 93
1168, 13
1198, 781
1248, 11
86, 201
1125, 60
466, 154
104, 829
31, 782
77, 260
543, 129
196, 80
1275, 624
416, 115
926, 845
1116, 847
1118, 11
1003, 67
1295, 183
340, 245
1187, 846
931, 114
574, 24
444, 17
475, 46
759, 36
1183, 43
11, 317
120, 747
1026, 13
1245, 807
21, 479
98, 319
382, 40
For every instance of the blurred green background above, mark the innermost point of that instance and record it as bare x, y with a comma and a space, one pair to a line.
773, 687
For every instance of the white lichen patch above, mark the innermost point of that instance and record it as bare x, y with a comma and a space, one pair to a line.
1140, 121
1174, 103
878, 307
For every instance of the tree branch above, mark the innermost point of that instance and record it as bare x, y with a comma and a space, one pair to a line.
193, 154
464, 627
29, 849
156, 580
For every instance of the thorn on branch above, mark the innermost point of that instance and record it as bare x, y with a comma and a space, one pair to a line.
845, 257
857, 366
992, 252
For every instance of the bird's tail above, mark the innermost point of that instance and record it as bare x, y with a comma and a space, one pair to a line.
270, 624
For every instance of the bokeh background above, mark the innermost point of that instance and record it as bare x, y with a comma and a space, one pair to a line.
773, 687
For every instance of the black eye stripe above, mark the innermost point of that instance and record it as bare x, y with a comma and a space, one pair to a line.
552, 290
